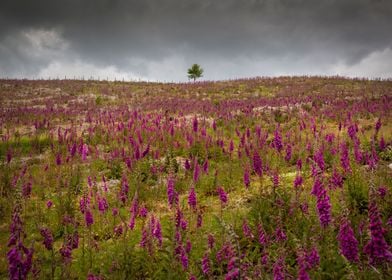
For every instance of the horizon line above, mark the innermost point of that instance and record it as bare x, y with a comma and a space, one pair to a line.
156, 81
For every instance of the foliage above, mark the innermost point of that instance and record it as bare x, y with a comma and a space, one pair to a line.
195, 72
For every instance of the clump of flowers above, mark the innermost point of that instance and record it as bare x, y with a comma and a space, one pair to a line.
19, 256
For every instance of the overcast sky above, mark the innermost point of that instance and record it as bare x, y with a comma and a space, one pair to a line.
160, 39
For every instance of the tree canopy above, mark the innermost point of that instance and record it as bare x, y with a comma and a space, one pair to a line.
195, 72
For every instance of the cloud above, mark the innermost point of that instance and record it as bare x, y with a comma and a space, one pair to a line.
81, 70
30, 50
45, 41
377, 64
159, 39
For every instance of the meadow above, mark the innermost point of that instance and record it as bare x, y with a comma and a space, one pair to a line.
262, 178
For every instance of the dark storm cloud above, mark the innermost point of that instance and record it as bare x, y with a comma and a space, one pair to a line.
153, 38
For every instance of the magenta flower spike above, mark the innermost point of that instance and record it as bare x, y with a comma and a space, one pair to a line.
231, 146
196, 171
288, 152
280, 235
84, 152
49, 204
88, 217
48, 238
303, 266
9, 156
277, 142
211, 241
222, 195
298, 181
19, 257
257, 164
344, 158
336, 180
205, 264
377, 126
171, 192
279, 270
195, 124
348, 244
157, 232
377, 248
246, 230
184, 259
144, 238
313, 258
324, 208
58, 159
102, 205
299, 164
246, 178
192, 198
187, 165
319, 159
206, 166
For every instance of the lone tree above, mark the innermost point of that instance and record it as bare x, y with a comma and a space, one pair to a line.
195, 72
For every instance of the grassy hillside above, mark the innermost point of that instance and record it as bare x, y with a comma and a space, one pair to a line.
262, 178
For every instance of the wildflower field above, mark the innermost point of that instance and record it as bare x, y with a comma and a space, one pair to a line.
264, 178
